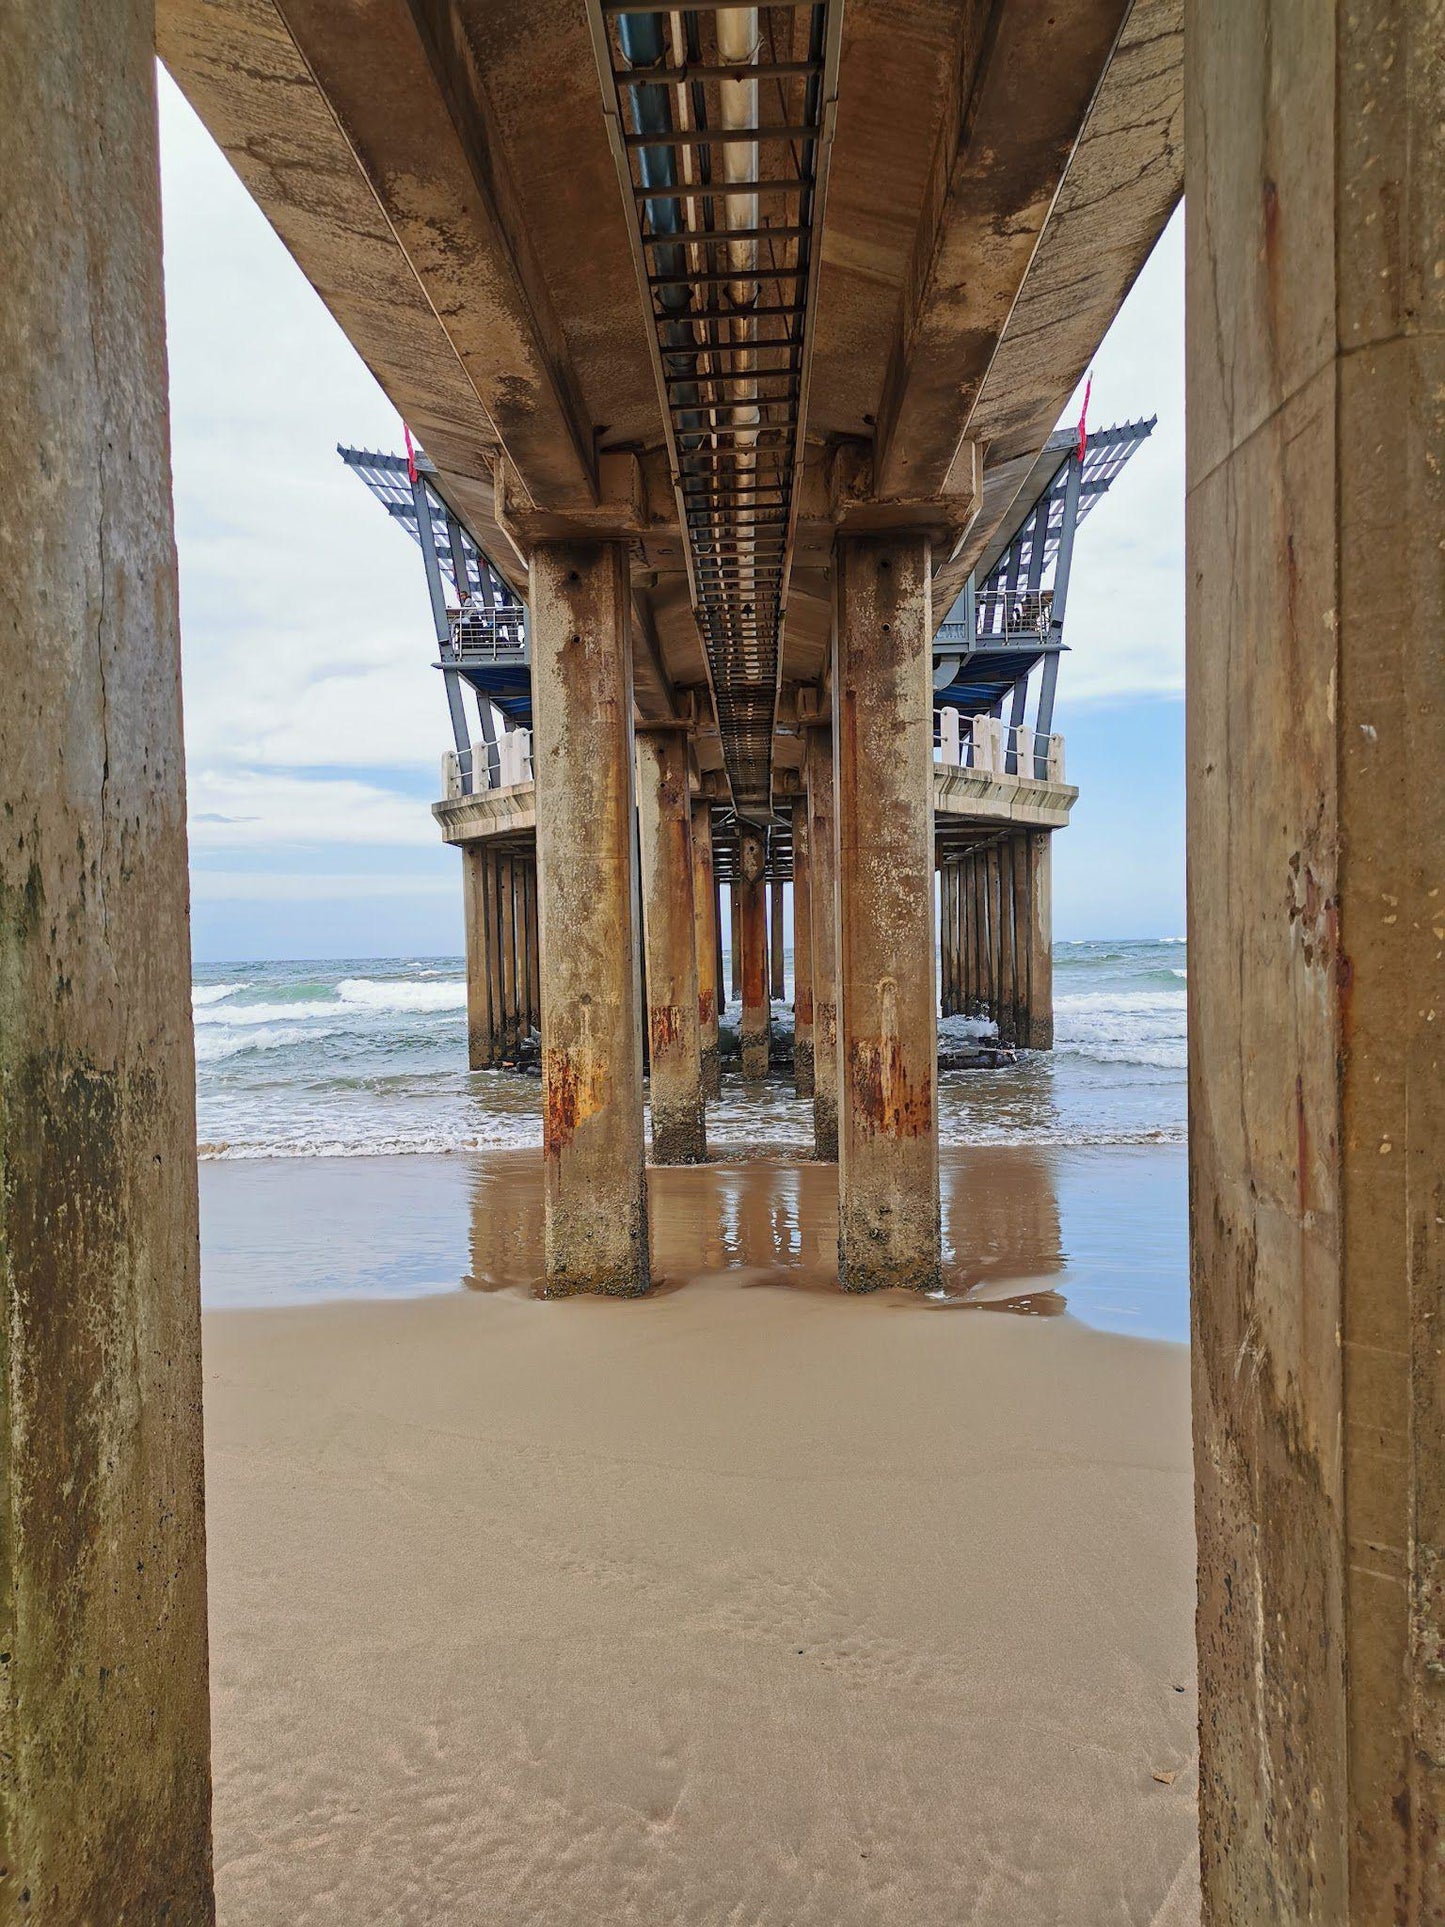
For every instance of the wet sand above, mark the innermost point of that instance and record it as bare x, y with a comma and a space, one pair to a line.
745, 1603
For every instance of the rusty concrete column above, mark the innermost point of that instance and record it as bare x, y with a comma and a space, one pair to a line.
1316, 818
105, 1788
978, 904
888, 1207
777, 982
823, 899
719, 976
950, 876
480, 1033
1037, 1031
507, 955
993, 885
534, 953
1008, 999
753, 917
802, 954
664, 822
595, 1189
735, 935
706, 944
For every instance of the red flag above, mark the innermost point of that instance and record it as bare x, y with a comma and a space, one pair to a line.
411, 454
1084, 416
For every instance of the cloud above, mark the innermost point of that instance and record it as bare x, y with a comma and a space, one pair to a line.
246, 809
253, 886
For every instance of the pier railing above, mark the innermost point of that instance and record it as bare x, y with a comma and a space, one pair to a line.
468, 772
1002, 749
488, 635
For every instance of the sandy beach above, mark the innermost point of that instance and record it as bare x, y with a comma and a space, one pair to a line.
745, 1603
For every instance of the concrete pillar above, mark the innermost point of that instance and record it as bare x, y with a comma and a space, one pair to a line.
1316, 819
664, 821
595, 1192
480, 1031
823, 903
708, 948
888, 1209
534, 953
104, 1715
1008, 1000
507, 954
753, 917
945, 946
1036, 1032
802, 954
993, 888
735, 934
717, 924
777, 983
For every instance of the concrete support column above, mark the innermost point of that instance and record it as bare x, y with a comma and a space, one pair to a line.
735, 935
480, 1023
945, 944
664, 820
823, 903
777, 983
708, 948
888, 1208
993, 889
802, 954
105, 1788
753, 917
507, 952
1037, 1029
1008, 1000
595, 1190
1316, 819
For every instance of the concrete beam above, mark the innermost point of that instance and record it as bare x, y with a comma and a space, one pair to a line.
1315, 608
595, 1188
1020, 96
105, 1781
888, 1205
664, 819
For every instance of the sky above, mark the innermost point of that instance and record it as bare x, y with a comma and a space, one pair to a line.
315, 723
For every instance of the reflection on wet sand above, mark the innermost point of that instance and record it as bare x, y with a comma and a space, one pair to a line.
773, 1223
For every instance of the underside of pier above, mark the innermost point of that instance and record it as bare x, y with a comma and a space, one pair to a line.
735, 337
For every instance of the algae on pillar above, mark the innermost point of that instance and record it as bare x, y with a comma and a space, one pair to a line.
105, 1780
709, 949
664, 817
592, 1117
823, 904
888, 1199
753, 916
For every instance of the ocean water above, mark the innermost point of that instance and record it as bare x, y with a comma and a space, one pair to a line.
353, 1059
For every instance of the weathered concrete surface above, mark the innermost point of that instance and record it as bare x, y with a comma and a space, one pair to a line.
1036, 1026
802, 954
709, 951
481, 1029
777, 981
888, 1210
104, 1715
1316, 990
756, 1026
664, 822
596, 1200
823, 896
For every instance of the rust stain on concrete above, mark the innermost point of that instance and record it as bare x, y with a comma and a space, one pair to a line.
574, 1088
664, 1028
889, 1102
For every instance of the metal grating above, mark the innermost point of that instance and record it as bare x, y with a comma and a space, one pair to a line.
721, 122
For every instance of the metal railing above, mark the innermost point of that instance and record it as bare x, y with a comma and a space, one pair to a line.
496, 634
469, 772
1001, 749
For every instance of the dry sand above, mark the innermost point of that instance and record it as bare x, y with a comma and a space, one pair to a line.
734, 1605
